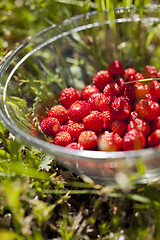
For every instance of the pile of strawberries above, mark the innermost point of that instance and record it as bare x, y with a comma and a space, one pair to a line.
119, 111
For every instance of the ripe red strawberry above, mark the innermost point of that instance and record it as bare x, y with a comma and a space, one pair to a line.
133, 140
147, 110
120, 82
133, 115
69, 96
153, 88
106, 117
78, 110
76, 129
101, 79
74, 145
105, 104
64, 128
128, 72
135, 91
154, 139
140, 125
136, 77
119, 126
116, 68
113, 89
108, 141
93, 121
62, 139
149, 72
155, 124
59, 112
94, 101
88, 139
120, 108
87, 91
50, 126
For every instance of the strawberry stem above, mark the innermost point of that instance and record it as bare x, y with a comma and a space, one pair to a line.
142, 80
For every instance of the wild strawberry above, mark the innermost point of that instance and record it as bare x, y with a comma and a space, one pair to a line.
133, 115
128, 72
74, 145
78, 110
50, 126
88, 139
87, 91
113, 89
149, 72
76, 129
136, 77
116, 68
153, 88
69, 96
135, 91
133, 140
154, 139
120, 108
140, 125
105, 104
93, 121
64, 128
119, 126
101, 79
108, 141
106, 117
69, 122
120, 82
59, 112
147, 110
94, 101
62, 139
155, 124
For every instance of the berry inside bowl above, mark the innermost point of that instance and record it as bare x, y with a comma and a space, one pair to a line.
69, 55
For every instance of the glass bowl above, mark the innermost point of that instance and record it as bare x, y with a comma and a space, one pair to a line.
69, 54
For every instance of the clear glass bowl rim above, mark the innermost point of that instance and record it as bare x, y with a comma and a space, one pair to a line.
55, 149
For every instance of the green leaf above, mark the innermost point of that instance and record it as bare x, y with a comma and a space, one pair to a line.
45, 162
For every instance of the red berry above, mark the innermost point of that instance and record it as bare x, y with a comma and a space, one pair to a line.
120, 82
128, 72
153, 88
105, 104
147, 110
140, 125
59, 112
95, 100
106, 117
50, 126
88, 139
93, 121
119, 126
62, 139
136, 77
113, 89
75, 145
78, 110
135, 91
87, 91
69, 96
64, 128
149, 72
116, 68
120, 108
108, 141
133, 115
76, 129
155, 124
133, 140
154, 139
101, 79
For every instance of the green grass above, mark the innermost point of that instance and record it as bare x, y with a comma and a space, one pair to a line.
41, 200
